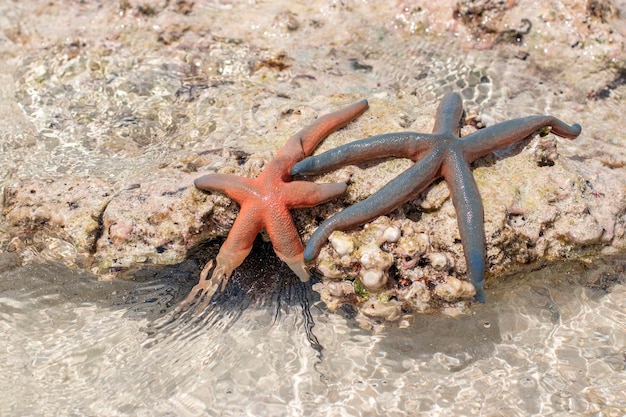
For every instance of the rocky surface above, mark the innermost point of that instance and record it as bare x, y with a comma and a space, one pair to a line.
110, 110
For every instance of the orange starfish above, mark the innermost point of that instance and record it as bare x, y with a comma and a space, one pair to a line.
265, 202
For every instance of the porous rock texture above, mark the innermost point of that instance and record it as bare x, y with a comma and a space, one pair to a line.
106, 122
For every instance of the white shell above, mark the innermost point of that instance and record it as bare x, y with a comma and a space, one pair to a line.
372, 257
342, 243
373, 279
392, 234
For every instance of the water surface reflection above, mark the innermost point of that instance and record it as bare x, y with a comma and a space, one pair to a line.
552, 341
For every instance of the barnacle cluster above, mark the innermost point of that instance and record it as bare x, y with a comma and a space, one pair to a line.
388, 271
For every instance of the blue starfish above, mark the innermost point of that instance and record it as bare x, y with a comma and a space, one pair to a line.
440, 154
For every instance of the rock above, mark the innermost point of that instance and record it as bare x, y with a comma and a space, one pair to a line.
110, 144
334, 293
330, 269
156, 221
414, 244
387, 310
454, 289
68, 209
419, 297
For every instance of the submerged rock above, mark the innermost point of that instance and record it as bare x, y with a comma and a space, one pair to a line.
57, 218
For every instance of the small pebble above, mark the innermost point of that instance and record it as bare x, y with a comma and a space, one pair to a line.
372, 257
390, 310
335, 289
454, 289
287, 20
342, 243
373, 279
392, 234
439, 261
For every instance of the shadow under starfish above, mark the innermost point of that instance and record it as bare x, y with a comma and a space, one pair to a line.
265, 203
440, 154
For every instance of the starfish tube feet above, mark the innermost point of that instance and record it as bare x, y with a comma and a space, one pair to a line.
440, 154
201, 294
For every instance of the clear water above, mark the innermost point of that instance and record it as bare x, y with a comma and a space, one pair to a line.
549, 342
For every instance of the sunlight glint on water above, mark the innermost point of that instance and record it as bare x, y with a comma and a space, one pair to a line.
546, 342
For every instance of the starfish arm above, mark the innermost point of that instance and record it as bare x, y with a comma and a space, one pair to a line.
401, 145
300, 194
305, 141
449, 115
238, 243
286, 240
235, 187
233, 252
486, 140
470, 217
397, 192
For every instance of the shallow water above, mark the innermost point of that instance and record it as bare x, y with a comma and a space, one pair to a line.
549, 342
